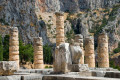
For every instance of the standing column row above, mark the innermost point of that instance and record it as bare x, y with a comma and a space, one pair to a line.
14, 45
38, 53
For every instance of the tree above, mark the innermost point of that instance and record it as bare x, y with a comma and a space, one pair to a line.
1, 49
6, 48
47, 53
26, 52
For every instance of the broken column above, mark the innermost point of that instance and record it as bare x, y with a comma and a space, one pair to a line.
59, 39
89, 52
103, 55
79, 41
38, 53
14, 45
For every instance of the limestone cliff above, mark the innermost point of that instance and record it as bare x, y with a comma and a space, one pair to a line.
36, 18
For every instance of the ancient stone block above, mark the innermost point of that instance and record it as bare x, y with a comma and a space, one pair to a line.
79, 67
8, 67
62, 58
79, 42
76, 52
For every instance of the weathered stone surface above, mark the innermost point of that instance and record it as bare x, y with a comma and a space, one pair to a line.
62, 58
79, 67
89, 52
79, 42
76, 52
14, 45
38, 53
8, 67
103, 55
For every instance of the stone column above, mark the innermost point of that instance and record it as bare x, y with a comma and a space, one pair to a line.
103, 55
89, 52
59, 28
59, 39
79, 41
38, 53
14, 45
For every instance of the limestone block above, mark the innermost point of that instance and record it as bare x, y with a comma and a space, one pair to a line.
14, 48
76, 54
8, 67
15, 43
79, 67
62, 58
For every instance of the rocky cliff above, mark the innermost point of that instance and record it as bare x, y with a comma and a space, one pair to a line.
75, 5
36, 18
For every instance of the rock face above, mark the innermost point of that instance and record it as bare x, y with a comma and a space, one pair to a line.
74, 5
8, 67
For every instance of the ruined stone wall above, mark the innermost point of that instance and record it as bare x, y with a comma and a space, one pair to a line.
89, 52
103, 55
38, 53
14, 45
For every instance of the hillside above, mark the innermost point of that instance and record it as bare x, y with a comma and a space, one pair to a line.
36, 18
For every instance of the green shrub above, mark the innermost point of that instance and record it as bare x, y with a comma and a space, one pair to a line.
26, 52
117, 50
46, 67
50, 67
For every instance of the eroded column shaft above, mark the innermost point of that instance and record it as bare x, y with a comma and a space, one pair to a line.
89, 52
103, 55
38, 53
14, 45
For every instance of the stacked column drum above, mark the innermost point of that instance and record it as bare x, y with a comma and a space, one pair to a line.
38, 53
89, 52
103, 56
14, 45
